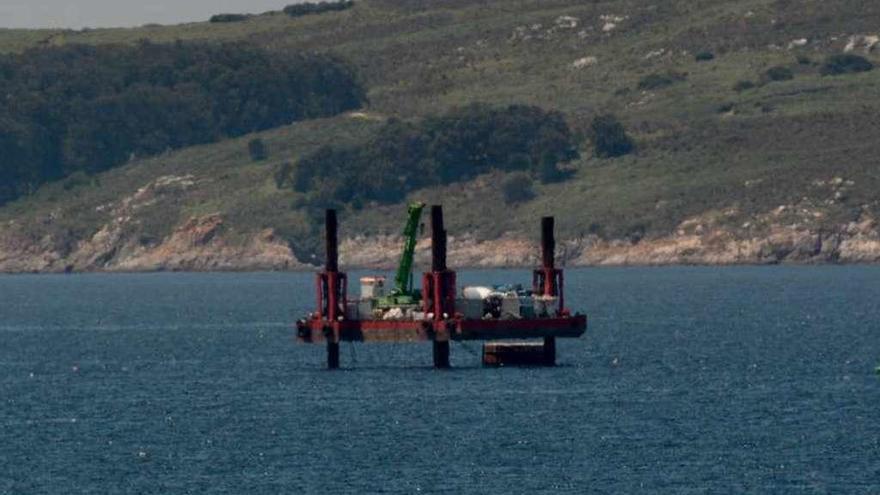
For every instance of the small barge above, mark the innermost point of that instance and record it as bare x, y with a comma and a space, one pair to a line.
438, 312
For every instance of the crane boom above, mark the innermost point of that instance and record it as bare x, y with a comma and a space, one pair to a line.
403, 279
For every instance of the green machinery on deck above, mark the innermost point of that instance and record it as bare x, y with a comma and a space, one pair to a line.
403, 292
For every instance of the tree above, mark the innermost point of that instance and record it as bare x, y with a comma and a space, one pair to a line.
610, 138
659, 81
283, 175
517, 188
779, 73
307, 8
743, 85
257, 150
229, 18
846, 63
90, 108
456, 146
548, 171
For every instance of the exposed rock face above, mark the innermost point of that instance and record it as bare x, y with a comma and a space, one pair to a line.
698, 241
584, 62
383, 252
863, 42
611, 21
567, 22
199, 243
701, 242
19, 254
198, 246
787, 234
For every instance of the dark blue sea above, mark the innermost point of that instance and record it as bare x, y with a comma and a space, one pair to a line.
689, 380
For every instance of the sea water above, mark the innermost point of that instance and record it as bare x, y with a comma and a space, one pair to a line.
736, 380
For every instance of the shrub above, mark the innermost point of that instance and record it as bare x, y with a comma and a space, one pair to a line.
725, 107
846, 63
636, 232
804, 60
517, 188
75, 180
305, 172
307, 8
229, 18
257, 150
655, 81
548, 171
520, 161
779, 73
658, 81
743, 86
283, 175
704, 56
610, 138
453, 147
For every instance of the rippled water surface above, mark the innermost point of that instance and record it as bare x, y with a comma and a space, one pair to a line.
688, 380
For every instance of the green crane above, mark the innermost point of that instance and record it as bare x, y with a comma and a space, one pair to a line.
403, 292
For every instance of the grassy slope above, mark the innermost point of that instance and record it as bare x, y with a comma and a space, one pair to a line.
419, 57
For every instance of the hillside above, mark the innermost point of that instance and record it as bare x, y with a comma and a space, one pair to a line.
782, 171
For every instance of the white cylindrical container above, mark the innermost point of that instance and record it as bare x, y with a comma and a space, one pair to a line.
372, 287
476, 292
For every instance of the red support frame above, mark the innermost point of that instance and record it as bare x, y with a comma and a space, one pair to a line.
332, 295
330, 324
550, 282
438, 293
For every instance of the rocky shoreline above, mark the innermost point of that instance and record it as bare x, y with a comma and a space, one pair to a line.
799, 233
200, 244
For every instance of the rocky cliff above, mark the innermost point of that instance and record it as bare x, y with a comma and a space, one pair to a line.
201, 244
801, 232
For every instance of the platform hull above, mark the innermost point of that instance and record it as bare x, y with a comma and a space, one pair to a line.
318, 330
519, 353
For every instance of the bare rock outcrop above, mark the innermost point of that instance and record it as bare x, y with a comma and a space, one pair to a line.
23, 254
198, 245
789, 233
383, 252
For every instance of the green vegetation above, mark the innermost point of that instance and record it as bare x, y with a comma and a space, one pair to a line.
726, 107
609, 137
85, 108
804, 60
517, 188
846, 63
257, 150
779, 73
229, 17
283, 174
659, 81
743, 86
421, 59
308, 8
453, 147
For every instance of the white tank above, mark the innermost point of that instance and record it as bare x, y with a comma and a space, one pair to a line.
476, 292
372, 287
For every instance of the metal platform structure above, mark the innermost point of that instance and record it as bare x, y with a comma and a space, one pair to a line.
441, 323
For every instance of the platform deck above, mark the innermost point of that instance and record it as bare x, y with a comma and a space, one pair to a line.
314, 330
